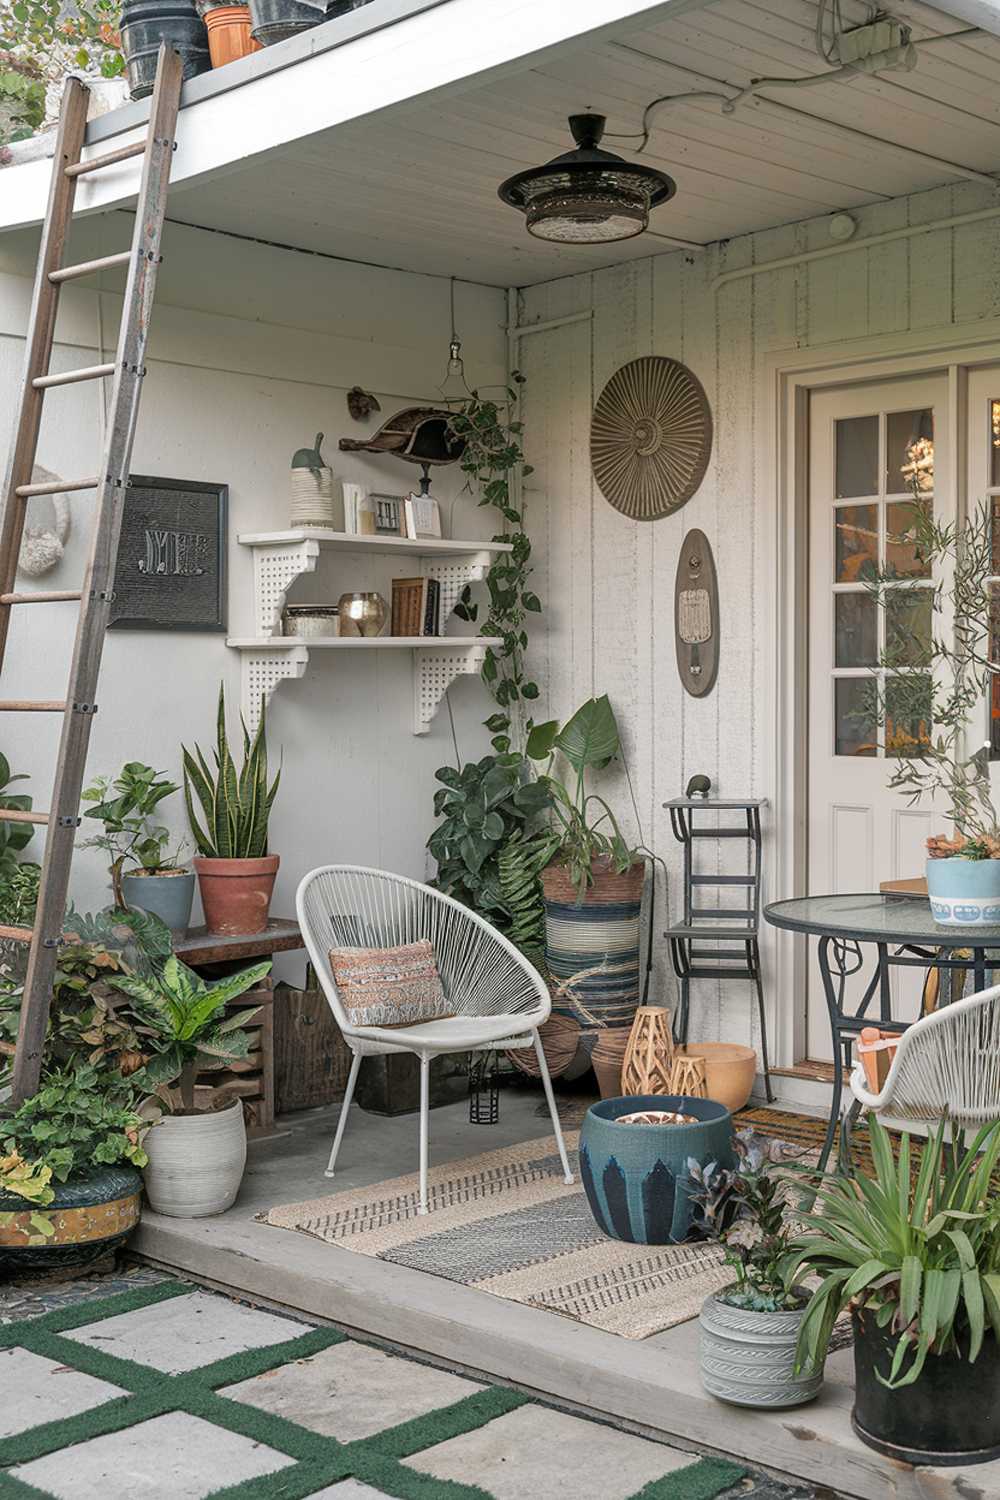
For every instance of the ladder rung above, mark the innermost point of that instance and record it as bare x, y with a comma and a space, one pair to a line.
95, 163
87, 267
56, 596
71, 377
56, 487
32, 706
16, 935
14, 815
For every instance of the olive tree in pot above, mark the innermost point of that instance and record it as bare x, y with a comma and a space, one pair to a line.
916, 1258
750, 1330
143, 873
235, 872
196, 1157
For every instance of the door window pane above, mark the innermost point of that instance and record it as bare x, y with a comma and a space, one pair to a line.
907, 715
854, 721
902, 555
856, 542
994, 443
855, 631
909, 614
857, 456
909, 451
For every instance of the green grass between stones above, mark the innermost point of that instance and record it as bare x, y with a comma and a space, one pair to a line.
318, 1461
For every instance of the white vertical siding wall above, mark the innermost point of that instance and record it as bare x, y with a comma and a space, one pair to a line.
607, 584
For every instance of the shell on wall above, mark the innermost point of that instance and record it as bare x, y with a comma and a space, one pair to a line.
650, 437
46, 528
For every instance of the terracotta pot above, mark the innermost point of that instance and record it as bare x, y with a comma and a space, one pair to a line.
236, 893
229, 34
729, 1070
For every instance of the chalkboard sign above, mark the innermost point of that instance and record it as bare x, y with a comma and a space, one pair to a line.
171, 572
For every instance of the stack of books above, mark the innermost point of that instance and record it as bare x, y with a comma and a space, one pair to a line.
416, 606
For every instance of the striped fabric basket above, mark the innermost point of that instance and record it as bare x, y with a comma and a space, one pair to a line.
597, 939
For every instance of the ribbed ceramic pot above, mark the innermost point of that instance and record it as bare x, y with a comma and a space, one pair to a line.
196, 1162
168, 897
748, 1358
89, 1215
964, 892
636, 1176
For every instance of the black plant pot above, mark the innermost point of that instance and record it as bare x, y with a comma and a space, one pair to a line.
147, 23
949, 1415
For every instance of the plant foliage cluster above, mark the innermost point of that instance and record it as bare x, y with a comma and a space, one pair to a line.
125, 806
235, 806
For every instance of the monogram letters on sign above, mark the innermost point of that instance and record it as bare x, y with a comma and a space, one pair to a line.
171, 572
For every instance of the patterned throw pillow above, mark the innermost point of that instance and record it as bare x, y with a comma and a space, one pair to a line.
390, 986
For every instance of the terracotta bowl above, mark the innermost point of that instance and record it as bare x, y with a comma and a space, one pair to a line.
729, 1071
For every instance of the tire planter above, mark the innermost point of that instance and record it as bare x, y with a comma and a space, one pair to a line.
635, 1176
236, 893
91, 1216
949, 1415
147, 23
964, 892
168, 897
196, 1163
601, 929
748, 1358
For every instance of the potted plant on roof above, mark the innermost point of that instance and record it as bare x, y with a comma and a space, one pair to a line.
197, 1152
125, 806
916, 1259
235, 872
750, 1330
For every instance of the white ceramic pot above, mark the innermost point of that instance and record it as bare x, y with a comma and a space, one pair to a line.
748, 1358
196, 1162
964, 892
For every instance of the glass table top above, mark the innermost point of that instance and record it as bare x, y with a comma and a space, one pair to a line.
873, 917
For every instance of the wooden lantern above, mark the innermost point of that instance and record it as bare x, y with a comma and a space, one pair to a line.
649, 1056
688, 1078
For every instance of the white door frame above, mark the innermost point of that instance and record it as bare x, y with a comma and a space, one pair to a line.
785, 380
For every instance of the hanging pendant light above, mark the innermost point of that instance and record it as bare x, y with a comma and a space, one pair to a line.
588, 196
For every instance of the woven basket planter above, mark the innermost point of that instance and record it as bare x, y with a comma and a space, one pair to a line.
607, 1059
560, 1038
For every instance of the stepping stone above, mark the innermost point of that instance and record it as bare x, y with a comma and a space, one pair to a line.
351, 1391
37, 1390
184, 1333
176, 1455
549, 1455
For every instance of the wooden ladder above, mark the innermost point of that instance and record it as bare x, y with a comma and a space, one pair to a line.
110, 485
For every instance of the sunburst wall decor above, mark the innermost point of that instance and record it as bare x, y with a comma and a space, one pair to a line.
650, 437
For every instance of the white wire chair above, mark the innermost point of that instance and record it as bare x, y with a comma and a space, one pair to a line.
947, 1066
498, 998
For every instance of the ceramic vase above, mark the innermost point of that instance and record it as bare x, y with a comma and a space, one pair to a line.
964, 892
748, 1357
649, 1056
196, 1162
730, 1071
315, 501
168, 897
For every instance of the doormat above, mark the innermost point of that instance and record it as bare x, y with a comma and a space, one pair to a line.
506, 1223
311, 1461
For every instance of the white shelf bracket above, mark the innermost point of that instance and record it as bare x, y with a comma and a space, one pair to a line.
262, 672
433, 673
453, 575
275, 569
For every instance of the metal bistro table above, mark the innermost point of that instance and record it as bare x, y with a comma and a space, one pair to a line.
904, 934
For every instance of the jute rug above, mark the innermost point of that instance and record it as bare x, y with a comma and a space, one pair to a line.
507, 1224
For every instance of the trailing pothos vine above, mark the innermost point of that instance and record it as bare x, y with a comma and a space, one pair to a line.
493, 461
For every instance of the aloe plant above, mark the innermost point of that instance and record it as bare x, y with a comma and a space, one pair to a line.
236, 807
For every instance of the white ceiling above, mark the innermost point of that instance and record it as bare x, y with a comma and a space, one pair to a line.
417, 188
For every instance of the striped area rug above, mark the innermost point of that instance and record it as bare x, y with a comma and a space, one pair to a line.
506, 1223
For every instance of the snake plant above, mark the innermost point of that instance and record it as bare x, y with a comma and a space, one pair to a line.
236, 807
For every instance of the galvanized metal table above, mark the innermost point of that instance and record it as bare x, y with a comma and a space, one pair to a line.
904, 934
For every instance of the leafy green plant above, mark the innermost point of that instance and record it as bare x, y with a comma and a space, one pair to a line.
236, 808
185, 1019
519, 867
19, 894
493, 462
920, 1255
13, 836
589, 741
48, 39
22, 96
82, 1117
745, 1209
125, 806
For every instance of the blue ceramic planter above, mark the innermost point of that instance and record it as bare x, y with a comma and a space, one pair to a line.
964, 892
636, 1176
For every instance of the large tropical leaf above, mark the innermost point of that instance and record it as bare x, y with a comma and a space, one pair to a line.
590, 739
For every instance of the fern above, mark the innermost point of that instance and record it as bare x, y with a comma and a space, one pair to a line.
521, 863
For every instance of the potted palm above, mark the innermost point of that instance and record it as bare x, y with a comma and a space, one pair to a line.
235, 872
143, 872
916, 1258
195, 1156
750, 1330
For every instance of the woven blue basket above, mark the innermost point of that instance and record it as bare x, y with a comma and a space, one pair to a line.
636, 1176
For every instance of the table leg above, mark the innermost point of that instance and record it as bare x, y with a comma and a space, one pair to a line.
979, 968
838, 1062
884, 984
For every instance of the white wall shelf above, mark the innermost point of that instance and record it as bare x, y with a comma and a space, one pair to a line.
281, 557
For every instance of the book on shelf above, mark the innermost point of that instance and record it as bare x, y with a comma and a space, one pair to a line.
422, 515
432, 608
416, 607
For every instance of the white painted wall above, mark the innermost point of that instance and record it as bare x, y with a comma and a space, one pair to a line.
252, 351
607, 584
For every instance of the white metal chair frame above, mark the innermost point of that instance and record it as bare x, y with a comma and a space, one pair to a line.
499, 999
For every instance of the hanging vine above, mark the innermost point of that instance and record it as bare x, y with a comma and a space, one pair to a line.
493, 462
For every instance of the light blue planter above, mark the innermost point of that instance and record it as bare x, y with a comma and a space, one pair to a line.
964, 892
636, 1176
168, 897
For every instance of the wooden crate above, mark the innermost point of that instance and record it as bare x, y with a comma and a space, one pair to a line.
311, 1058
251, 1079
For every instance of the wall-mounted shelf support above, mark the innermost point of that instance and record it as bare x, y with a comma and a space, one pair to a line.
433, 674
275, 568
262, 672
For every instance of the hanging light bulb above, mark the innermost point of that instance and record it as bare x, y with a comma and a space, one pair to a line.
587, 196
454, 387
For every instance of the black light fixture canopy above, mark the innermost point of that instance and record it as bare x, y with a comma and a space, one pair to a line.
587, 196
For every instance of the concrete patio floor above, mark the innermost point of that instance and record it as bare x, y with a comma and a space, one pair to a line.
652, 1386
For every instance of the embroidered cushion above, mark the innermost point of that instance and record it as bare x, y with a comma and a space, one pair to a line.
389, 986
